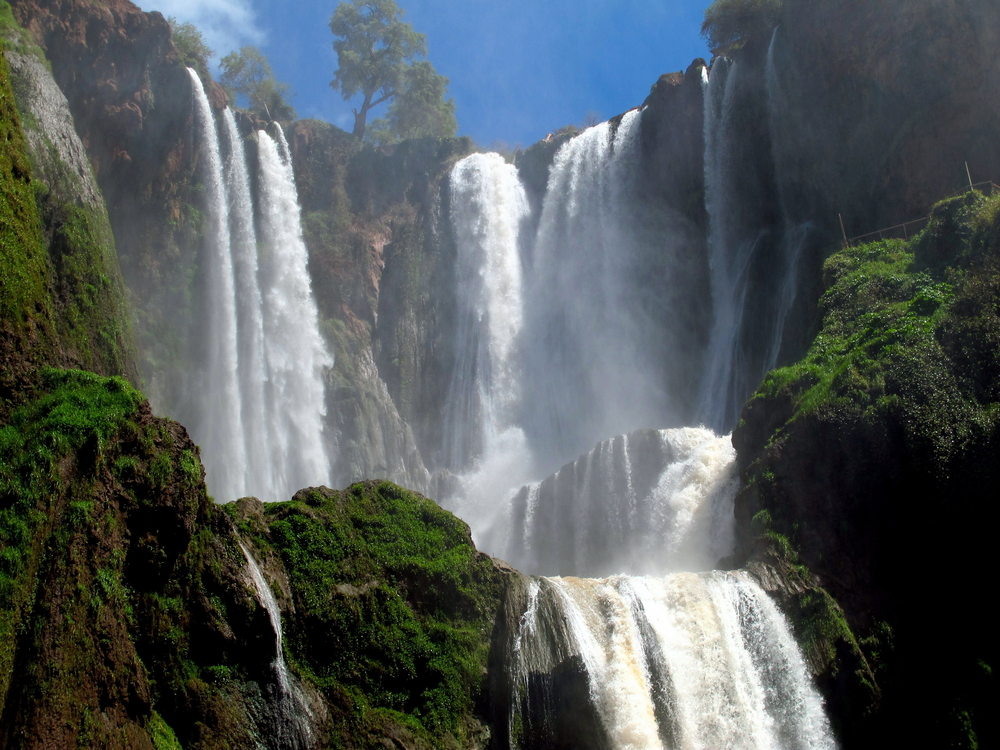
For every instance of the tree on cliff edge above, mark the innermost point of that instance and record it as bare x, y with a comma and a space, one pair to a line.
377, 56
247, 75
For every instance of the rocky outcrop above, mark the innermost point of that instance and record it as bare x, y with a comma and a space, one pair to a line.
378, 233
884, 434
131, 619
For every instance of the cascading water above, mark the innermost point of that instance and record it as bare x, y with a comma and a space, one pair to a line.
584, 320
257, 409
484, 443
296, 354
216, 422
796, 234
753, 253
249, 312
650, 502
692, 661
292, 720
489, 208
688, 660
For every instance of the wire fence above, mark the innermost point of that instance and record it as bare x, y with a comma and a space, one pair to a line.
906, 230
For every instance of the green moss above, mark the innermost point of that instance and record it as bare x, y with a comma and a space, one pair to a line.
393, 605
162, 735
92, 313
25, 308
75, 416
880, 350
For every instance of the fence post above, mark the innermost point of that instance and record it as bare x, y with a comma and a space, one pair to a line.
842, 230
968, 174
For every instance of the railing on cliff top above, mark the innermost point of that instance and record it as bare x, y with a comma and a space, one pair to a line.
906, 230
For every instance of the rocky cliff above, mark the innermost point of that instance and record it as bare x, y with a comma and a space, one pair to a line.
378, 232
877, 451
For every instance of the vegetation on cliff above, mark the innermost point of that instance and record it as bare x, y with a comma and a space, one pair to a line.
378, 56
391, 612
877, 451
28, 335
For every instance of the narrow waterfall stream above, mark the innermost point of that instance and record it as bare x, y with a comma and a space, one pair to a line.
292, 719
257, 409
218, 421
296, 354
753, 257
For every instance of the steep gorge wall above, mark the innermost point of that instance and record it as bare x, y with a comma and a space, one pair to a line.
129, 95
872, 462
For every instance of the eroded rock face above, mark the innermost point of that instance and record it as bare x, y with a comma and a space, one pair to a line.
382, 263
92, 315
129, 95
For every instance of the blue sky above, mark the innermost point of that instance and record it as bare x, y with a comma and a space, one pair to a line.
519, 69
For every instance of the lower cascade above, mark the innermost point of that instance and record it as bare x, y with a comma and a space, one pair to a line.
650, 502
685, 661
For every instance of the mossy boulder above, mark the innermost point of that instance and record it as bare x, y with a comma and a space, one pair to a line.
390, 611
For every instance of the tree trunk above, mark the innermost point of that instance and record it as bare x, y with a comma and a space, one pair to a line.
361, 117
360, 122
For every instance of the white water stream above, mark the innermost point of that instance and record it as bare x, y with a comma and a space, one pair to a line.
687, 661
258, 406
292, 719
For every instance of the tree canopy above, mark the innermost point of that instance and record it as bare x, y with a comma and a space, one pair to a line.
247, 76
729, 22
380, 58
418, 110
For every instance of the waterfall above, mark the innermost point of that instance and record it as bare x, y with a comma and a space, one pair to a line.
217, 421
489, 208
296, 354
252, 365
795, 234
693, 661
753, 255
292, 718
574, 353
730, 252
591, 349
650, 502
258, 404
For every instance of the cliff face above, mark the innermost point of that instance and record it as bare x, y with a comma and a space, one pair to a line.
884, 434
129, 95
93, 321
378, 232
64, 298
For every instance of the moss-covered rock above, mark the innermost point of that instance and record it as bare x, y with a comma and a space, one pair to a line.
86, 296
391, 611
874, 456
28, 337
